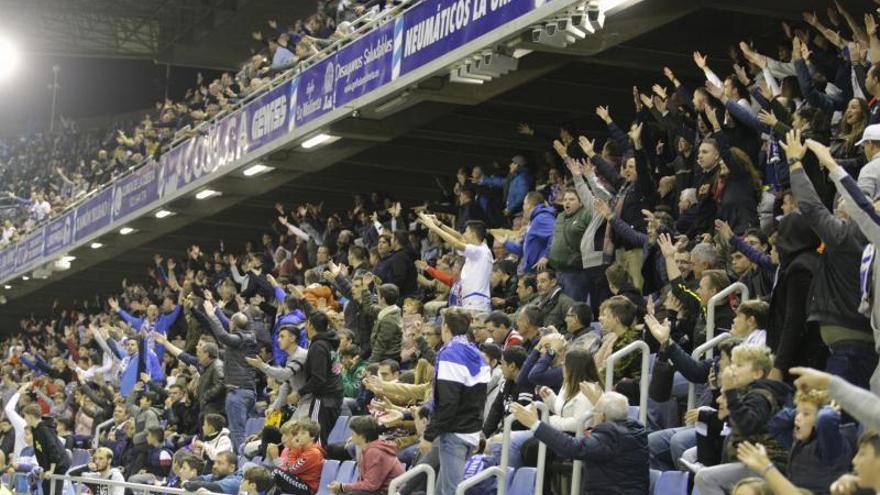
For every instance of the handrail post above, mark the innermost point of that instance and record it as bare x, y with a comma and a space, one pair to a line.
430, 474
710, 307
97, 440
577, 466
642, 347
707, 346
542, 450
135, 487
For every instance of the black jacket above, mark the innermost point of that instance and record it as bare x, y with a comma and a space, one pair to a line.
615, 456
48, 448
834, 294
323, 380
501, 406
211, 392
795, 341
397, 268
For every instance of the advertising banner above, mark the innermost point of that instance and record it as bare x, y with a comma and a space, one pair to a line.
94, 214
59, 234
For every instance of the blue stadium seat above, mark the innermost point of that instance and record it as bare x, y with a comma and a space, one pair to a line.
655, 474
523, 481
347, 472
695, 492
510, 472
328, 474
672, 483
633, 413
253, 425
340, 431
80, 457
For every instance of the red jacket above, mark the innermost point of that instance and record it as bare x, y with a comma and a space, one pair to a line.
377, 466
305, 463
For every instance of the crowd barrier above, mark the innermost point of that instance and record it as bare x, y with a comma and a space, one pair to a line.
137, 488
699, 351
736, 287
416, 470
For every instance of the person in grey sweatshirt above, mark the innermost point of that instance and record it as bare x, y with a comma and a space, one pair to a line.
863, 212
290, 375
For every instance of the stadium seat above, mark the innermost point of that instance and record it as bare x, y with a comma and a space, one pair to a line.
655, 474
633, 413
80, 457
347, 472
340, 431
328, 474
254, 425
510, 473
523, 481
672, 483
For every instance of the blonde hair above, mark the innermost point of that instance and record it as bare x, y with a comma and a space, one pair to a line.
758, 356
816, 397
758, 486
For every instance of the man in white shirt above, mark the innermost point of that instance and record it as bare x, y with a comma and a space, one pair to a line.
750, 321
475, 283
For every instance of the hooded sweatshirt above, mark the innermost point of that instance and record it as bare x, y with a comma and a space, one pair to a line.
377, 466
537, 240
48, 447
322, 371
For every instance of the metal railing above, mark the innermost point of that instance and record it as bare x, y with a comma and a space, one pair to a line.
499, 471
577, 467
542, 450
699, 351
710, 307
96, 441
137, 488
642, 347
429, 472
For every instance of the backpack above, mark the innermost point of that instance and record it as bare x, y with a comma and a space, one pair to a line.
475, 464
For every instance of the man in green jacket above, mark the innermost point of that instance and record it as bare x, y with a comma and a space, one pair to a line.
387, 333
552, 302
565, 252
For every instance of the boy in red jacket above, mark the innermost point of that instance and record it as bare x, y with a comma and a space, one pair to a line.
377, 464
301, 461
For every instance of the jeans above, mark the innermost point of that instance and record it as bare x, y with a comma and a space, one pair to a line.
575, 284
667, 446
239, 407
453, 454
852, 361
517, 440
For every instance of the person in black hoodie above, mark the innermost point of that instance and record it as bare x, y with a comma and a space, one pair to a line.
323, 381
795, 341
512, 360
49, 449
615, 452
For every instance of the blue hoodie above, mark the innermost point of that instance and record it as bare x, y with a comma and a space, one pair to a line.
539, 236
294, 318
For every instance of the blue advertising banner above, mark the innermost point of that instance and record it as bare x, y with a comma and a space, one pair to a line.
313, 92
30, 249
94, 214
364, 65
136, 190
267, 117
218, 146
432, 29
7, 260
59, 234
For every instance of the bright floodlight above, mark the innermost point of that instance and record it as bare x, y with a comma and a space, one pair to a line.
8, 58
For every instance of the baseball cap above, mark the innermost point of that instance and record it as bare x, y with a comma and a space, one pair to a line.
872, 133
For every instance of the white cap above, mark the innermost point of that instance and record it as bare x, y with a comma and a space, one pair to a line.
872, 133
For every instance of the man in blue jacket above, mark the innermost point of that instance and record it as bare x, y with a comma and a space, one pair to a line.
223, 477
615, 453
515, 185
534, 250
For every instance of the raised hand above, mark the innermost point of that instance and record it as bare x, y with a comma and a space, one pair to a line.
635, 134
646, 100
823, 153
114, 304
592, 391
724, 229
768, 118
589, 146
604, 114
659, 91
793, 146
525, 129
700, 60
660, 331
576, 167
664, 242
560, 148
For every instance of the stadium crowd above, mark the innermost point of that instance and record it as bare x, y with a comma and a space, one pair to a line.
394, 336
45, 173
